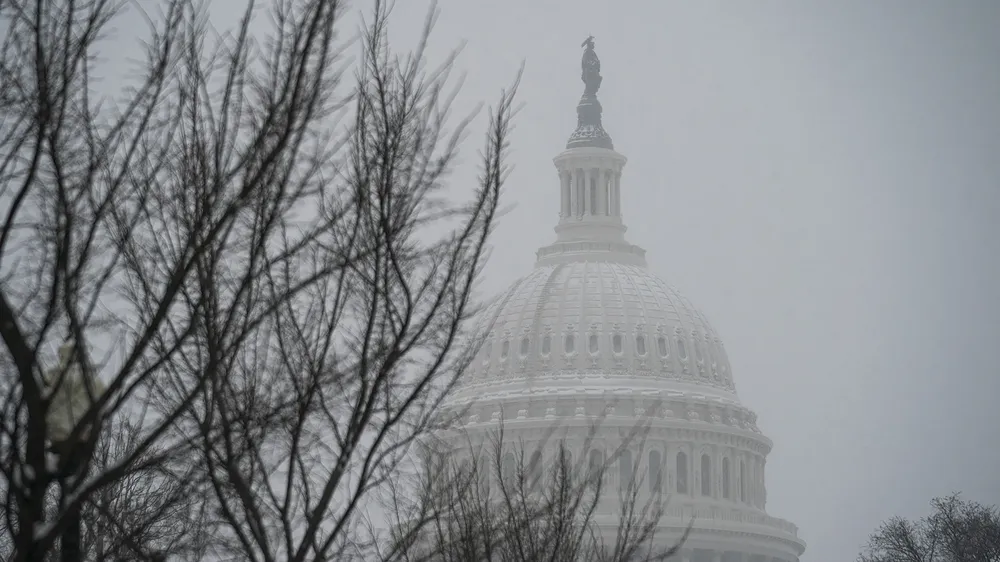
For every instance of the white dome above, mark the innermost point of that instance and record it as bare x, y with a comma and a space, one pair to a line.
600, 317
591, 335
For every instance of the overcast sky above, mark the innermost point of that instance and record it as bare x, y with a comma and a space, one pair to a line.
823, 180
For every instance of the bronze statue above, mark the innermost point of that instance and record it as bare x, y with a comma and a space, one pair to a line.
591, 68
589, 131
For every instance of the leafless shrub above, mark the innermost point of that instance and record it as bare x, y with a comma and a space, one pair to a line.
473, 505
956, 531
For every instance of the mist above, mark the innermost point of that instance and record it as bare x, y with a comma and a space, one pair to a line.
821, 180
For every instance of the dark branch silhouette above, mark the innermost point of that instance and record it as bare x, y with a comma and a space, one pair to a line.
956, 531
255, 261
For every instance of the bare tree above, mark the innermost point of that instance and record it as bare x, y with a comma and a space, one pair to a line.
473, 505
270, 298
956, 531
151, 512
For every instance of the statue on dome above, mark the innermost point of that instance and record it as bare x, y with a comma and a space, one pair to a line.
591, 68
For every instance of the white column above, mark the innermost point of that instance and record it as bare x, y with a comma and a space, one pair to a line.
667, 470
763, 482
587, 177
696, 474
760, 483
581, 179
591, 186
741, 493
572, 192
716, 473
602, 193
612, 205
757, 481
563, 193
569, 192
616, 194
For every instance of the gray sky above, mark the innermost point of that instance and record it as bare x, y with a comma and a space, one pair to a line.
822, 179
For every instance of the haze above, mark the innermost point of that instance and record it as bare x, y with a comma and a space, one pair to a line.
822, 179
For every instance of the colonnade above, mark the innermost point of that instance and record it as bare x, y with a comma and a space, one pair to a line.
679, 467
590, 192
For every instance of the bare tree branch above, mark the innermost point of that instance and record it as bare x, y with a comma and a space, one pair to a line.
263, 280
956, 531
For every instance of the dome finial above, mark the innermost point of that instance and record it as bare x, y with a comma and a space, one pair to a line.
589, 131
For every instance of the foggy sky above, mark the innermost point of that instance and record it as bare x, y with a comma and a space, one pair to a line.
822, 179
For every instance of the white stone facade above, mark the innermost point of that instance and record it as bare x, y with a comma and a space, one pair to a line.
592, 334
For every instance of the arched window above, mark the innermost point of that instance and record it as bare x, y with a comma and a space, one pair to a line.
743, 481
725, 478
546, 344
535, 471
504, 349
525, 345
592, 344
655, 471
661, 345
509, 468
616, 343
681, 351
567, 462
625, 470
640, 344
595, 467
706, 476
682, 473
570, 343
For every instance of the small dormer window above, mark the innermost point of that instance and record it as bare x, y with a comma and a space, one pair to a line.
681, 350
640, 344
592, 344
570, 343
505, 349
616, 343
661, 346
525, 345
546, 344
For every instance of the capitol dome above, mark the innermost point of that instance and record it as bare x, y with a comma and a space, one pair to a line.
615, 319
592, 334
